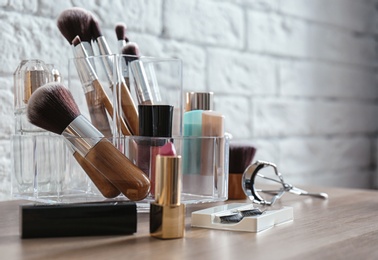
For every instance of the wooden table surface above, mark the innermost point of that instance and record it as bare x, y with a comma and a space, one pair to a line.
343, 227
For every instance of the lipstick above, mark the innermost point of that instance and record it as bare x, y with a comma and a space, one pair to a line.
155, 125
167, 214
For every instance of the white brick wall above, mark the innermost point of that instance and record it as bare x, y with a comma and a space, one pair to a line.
295, 78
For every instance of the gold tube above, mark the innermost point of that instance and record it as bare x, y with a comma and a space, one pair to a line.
167, 214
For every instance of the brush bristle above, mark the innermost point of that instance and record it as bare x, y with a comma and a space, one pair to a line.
75, 21
241, 157
95, 28
120, 31
131, 48
52, 107
76, 41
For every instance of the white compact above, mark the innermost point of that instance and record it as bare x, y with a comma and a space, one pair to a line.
240, 217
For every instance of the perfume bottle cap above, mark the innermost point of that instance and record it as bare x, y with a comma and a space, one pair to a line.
199, 101
168, 180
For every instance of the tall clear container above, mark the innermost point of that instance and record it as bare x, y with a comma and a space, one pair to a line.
37, 158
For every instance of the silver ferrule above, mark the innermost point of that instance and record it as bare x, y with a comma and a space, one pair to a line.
82, 135
143, 88
84, 68
107, 60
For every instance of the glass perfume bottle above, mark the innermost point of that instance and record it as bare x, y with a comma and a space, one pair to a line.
38, 156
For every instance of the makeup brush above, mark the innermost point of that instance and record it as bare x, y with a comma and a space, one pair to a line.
240, 157
76, 21
120, 30
127, 103
53, 108
107, 189
142, 85
130, 49
97, 99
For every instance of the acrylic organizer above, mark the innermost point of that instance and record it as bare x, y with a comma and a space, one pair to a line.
46, 170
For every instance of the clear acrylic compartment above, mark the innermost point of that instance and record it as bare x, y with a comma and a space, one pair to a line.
44, 170
162, 79
51, 174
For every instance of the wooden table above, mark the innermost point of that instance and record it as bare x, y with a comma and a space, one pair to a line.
343, 227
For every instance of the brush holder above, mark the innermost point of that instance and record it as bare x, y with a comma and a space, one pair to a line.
61, 179
67, 182
126, 81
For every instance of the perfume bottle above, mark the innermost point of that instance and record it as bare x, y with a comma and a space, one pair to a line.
29, 76
38, 156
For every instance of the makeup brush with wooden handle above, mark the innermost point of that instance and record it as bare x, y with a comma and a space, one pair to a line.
53, 108
74, 22
97, 99
127, 103
240, 157
120, 30
107, 189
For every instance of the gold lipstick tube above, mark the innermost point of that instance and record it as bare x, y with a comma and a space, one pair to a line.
167, 214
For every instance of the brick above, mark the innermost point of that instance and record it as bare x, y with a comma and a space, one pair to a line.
321, 154
6, 113
309, 79
28, 37
291, 37
23, 6
3, 3
193, 58
236, 122
262, 5
266, 149
205, 22
349, 14
142, 16
240, 73
6, 83
287, 117
48, 8
5, 169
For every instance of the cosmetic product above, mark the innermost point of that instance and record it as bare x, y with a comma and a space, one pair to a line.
167, 214
192, 144
53, 108
32, 169
197, 125
212, 126
28, 77
98, 101
78, 219
199, 101
155, 125
240, 217
240, 157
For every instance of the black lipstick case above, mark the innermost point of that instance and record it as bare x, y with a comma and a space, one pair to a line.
79, 219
